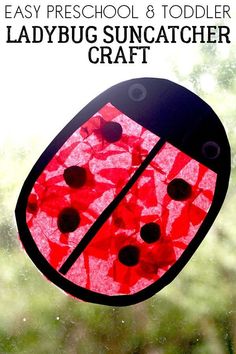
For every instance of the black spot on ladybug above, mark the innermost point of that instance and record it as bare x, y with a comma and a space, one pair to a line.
211, 150
68, 220
179, 189
129, 255
150, 232
111, 131
75, 176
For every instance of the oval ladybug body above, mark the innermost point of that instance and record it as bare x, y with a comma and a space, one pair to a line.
123, 196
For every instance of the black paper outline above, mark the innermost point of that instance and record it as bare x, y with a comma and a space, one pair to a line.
155, 105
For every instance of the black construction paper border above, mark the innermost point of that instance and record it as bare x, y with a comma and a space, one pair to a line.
176, 115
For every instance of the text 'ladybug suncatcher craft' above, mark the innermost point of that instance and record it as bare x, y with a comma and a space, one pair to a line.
122, 197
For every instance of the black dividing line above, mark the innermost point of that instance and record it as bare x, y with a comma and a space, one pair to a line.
108, 211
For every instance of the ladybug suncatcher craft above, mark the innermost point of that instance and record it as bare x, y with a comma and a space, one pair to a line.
123, 196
